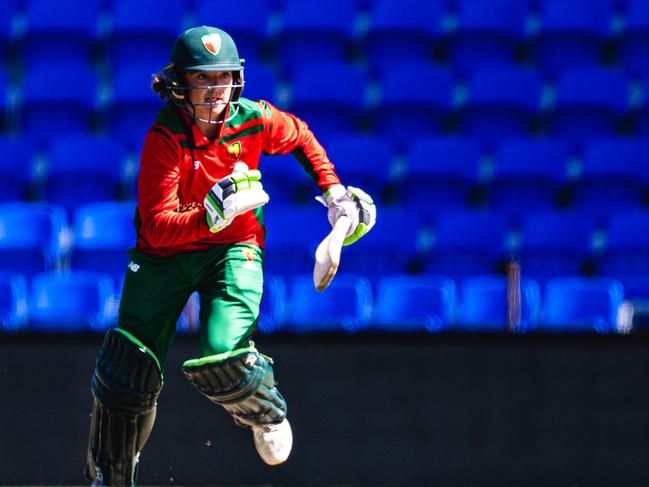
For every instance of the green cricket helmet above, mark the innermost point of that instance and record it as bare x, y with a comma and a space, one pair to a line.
203, 49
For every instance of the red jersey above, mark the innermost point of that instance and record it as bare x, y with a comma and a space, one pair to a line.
179, 165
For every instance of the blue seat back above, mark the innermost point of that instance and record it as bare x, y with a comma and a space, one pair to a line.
488, 32
414, 303
572, 33
16, 168
485, 304
13, 301
73, 178
103, 232
581, 304
273, 304
345, 306
70, 302
555, 243
527, 176
30, 237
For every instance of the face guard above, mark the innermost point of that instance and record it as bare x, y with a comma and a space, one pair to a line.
203, 49
179, 95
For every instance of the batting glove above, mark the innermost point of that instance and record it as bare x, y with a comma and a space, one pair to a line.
233, 195
354, 203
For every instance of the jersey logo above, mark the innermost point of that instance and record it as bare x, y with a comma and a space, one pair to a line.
197, 164
212, 43
235, 150
133, 266
249, 254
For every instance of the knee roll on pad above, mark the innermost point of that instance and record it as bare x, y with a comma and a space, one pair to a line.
125, 386
242, 382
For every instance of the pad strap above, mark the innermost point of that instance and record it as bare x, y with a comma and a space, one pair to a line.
242, 382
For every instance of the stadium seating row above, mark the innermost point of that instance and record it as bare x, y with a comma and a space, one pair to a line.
521, 175
83, 301
476, 32
36, 238
417, 99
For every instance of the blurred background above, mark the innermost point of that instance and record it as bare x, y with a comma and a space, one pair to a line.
506, 143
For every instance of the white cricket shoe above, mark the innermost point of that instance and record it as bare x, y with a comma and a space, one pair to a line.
273, 441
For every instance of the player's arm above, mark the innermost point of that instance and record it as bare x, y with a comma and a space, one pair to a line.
161, 224
285, 133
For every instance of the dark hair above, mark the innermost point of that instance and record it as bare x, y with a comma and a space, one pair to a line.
159, 85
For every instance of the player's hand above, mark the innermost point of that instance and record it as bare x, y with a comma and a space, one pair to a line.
233, 195
354, 203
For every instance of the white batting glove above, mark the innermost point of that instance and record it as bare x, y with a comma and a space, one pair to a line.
354, 203
233, 195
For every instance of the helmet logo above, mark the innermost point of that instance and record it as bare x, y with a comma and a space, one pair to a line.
212, 43
235, 150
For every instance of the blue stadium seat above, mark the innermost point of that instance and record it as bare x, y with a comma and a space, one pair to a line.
416, 100
641, 119
468, 242
103, 232
313, 33
13, 302
143, 31
414, 303
363, 161
31, 237
66, 28
273, 304
326, 107
555, 243
488, 32
625, 256
402, 30
440, 173
345, 306
528, 174
286, 181
572, 33
260, 82
5, 103
634, 41
391, 247
484, 305
15, 168
577, 304
83, 168
293, 233
189, 321
247, 24
502, 101
614, 175
73, 106
7, 11
134, 106
590, 103
74, 301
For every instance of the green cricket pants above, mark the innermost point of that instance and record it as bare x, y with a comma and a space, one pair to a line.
228, 279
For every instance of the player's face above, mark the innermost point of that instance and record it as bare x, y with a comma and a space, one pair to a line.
210, 93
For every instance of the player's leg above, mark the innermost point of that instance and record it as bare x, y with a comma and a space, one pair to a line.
128, 374
231, 371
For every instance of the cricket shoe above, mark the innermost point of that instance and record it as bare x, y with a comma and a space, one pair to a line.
273, 441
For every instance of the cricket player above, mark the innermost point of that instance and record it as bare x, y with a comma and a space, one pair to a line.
199, 228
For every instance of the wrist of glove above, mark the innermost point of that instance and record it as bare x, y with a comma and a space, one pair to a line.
233, 195
353, 203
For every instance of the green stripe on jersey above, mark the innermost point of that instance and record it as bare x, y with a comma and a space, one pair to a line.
168, 118
243, 133
304, 162
248, 110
